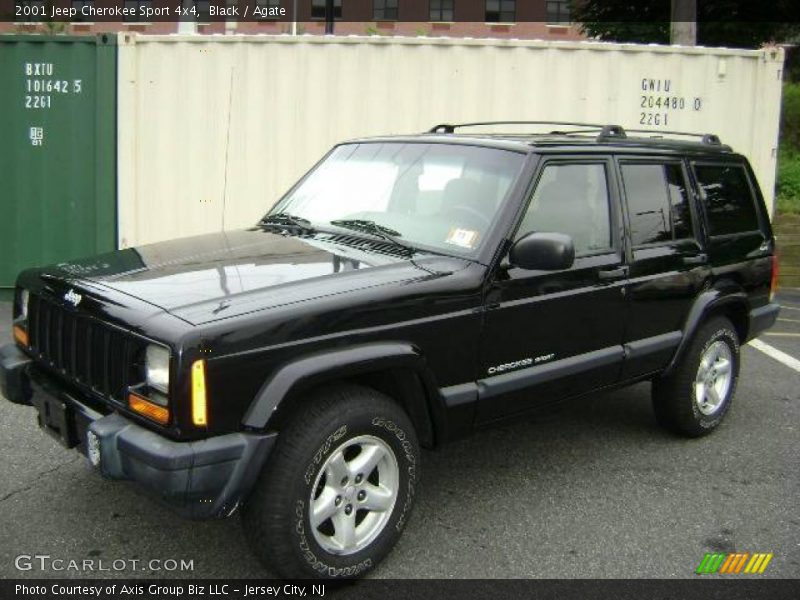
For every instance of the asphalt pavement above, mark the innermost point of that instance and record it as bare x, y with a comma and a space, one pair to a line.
595, 489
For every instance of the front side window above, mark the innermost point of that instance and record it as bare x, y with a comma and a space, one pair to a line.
572, 199
444, 196
441, 11
727, 199
318, 9
385, 10
501, 11
658, 204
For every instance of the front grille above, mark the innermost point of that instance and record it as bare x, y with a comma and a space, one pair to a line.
91, 353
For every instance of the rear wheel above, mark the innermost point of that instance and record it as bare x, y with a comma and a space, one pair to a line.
337, 492
694, 399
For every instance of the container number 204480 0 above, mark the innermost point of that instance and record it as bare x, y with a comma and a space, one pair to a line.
658, 108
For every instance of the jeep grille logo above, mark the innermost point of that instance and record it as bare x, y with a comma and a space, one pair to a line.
73, 298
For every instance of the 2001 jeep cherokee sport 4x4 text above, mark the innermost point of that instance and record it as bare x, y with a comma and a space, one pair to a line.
405, 292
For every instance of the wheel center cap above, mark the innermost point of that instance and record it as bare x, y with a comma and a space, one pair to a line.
349, 492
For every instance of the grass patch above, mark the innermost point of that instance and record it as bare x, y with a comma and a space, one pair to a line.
788, 188
788, 191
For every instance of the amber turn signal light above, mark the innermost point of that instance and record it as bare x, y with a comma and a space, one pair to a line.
199, 408
21, 336
144, 407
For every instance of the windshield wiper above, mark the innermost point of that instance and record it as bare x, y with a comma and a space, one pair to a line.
287, 220
376, 229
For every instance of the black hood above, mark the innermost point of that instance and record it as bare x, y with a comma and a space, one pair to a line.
221, 275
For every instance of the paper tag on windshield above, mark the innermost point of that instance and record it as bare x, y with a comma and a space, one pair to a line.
466, 238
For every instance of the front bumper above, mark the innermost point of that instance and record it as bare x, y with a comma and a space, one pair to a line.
201, 479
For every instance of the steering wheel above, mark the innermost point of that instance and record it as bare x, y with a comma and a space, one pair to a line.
472, 214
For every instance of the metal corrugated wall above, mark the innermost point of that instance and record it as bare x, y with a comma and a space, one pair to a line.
213, 129
57, 149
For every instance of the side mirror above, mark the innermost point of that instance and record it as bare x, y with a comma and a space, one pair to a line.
543, 252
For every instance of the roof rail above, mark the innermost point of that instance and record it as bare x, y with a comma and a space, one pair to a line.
606, 132
705, 138
451, 128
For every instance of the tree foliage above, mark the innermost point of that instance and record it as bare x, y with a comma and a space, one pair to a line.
731, 23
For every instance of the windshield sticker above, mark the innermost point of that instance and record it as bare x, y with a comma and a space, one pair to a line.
465, 238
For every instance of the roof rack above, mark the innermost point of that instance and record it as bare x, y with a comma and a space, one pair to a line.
451, 128
605, 132
705, 138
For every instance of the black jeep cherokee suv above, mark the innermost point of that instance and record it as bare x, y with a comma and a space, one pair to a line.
405, 292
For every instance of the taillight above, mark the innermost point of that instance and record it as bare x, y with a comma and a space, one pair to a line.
773, 283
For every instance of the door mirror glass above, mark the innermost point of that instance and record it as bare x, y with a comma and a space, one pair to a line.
543, 252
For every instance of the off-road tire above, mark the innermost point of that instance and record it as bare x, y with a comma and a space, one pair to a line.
276, 516
674, 396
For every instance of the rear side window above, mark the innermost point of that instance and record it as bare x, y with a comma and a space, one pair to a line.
658, 204
727, 198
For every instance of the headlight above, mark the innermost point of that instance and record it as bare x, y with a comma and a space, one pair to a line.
157, 368
24, 296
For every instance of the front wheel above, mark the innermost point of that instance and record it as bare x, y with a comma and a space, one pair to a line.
694, 399
337, 492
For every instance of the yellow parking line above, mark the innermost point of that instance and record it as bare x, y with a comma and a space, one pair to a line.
781, 334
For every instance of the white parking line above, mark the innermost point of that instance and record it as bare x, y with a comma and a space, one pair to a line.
782, 334
782, 357
789, 320
789, 307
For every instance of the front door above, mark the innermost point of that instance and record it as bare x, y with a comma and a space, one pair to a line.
551, 335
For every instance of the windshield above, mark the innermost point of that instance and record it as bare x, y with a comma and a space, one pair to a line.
443, 196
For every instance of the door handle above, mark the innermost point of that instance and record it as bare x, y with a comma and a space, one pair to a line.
698, 259
612, 274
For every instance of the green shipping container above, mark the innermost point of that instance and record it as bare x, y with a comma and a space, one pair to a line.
57, 149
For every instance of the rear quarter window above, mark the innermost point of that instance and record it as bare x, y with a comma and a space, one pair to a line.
727, 198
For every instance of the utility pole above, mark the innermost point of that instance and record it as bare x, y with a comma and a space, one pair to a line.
329, 16
683, 31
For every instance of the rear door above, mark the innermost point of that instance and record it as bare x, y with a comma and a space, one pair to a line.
668, 262
551, 335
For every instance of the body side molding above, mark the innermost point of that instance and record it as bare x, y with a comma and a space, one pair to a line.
523, 378
651, 345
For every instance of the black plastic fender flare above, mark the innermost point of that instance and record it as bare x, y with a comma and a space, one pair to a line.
706, 302
342, 362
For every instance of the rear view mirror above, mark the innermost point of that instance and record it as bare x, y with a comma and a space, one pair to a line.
543, 252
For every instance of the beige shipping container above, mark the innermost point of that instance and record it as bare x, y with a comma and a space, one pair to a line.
214, 129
